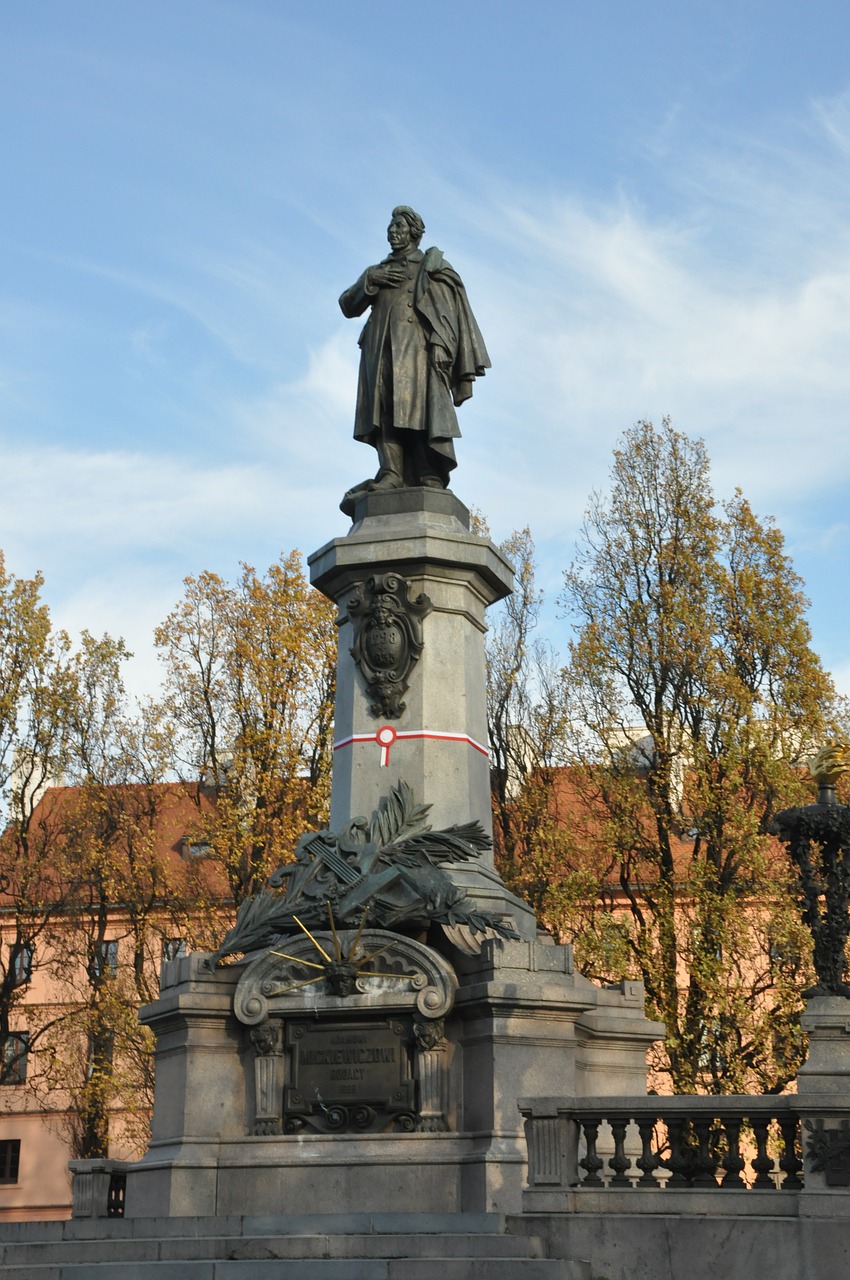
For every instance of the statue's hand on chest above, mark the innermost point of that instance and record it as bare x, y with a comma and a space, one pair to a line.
387, 275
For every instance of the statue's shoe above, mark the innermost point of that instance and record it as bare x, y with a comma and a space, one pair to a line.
353, 496
387, 480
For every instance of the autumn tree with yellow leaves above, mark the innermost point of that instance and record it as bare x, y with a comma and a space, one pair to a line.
86, 892
249, 684
88, 889
527, 735
36, 685
124, 899
688, 704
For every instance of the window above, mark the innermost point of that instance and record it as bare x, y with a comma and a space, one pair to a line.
14, 1064
101, 1051
105, 959
173, 948
21, 956
10, 1156
785, 957
191, 849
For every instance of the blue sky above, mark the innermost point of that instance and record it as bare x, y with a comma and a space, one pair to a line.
648, 204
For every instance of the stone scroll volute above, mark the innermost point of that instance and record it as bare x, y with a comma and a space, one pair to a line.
293, 977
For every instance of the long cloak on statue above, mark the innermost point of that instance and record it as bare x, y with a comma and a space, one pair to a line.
401, 386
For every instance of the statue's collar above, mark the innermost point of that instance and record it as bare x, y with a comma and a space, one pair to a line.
409, 255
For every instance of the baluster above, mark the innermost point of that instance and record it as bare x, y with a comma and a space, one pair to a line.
591, 1163
678, 1162
705, 1163
790, 1164
762, 1164
648, 1160
619, 1162
733, 1162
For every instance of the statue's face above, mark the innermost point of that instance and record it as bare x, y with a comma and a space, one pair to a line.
399, 233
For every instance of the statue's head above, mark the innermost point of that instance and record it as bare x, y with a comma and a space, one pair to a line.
406, 227
341, 976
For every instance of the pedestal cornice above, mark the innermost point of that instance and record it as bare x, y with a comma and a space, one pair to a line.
417, 532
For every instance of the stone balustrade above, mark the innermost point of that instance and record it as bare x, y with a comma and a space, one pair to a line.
98, 1187
659, 1144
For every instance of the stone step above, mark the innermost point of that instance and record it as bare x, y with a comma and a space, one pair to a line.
311, 1247
409, 1268
235, 1248
301, 1224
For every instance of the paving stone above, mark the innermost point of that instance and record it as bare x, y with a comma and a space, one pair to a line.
492, 1268
433, 1247
370, 1223
33, 1273
439, 1223
303, 1269
60, 1252
136, 1271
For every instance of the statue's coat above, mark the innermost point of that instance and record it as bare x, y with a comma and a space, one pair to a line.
401, 385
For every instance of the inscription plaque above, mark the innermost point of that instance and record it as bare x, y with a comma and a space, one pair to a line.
353, 1075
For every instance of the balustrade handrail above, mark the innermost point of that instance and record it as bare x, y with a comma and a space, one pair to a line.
675, 1103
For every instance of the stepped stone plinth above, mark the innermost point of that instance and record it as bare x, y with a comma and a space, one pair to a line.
370, 1055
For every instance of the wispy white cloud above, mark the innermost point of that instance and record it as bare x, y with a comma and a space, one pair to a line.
301, 419
620, 314
129, 499
833, 116
728, 307
115, 533
835, 537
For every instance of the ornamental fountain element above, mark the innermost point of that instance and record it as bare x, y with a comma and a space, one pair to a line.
817, 838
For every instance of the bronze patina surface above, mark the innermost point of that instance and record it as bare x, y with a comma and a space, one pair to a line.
421, 350
350, 1076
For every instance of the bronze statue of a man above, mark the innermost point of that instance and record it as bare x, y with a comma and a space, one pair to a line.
421, 350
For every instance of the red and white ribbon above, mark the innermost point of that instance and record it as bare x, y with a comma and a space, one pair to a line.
387, 736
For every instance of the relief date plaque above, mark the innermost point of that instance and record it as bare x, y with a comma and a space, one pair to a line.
349, 1076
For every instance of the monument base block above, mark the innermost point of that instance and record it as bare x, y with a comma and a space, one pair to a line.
521, 1021
357, 1069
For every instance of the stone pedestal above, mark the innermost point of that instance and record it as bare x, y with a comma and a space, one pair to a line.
823, 1085
261, 1106
438, 743
826, 1019
522, 1022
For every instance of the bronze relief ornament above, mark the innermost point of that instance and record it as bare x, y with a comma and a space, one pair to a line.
387, 639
